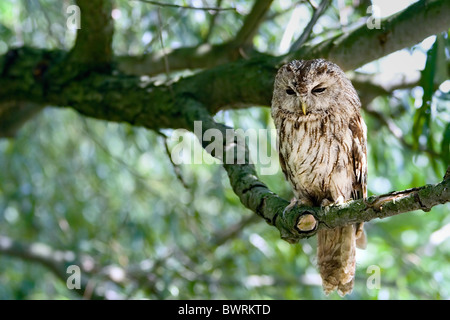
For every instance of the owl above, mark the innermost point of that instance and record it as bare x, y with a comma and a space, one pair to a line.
322, 149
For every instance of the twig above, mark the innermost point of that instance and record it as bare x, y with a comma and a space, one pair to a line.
166, 60
120, 161
308, 29
55, 260
313, 5
171, 5
252, 21
274, 15
232, 231
176, 168
397, 132
212, 22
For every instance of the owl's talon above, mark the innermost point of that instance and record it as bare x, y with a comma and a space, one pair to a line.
326, 203
289, 207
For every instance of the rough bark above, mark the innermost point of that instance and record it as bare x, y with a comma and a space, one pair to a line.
349, 50
38, 76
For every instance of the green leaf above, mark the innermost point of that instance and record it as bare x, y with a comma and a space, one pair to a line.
422, 115
434, 73
445, 146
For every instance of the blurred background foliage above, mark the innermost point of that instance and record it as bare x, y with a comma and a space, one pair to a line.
147, 228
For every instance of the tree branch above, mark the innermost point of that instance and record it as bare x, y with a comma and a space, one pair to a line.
14, 114
245, 82
203, 55
349, 50
382, 206
94, 39
212, 22
369, 86
58, 261
171, 5
55, 260
301, 222
418, 21
307, 32
252, 22
230, 233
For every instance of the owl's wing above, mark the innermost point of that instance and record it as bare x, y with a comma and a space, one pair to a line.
359, 157
283, 165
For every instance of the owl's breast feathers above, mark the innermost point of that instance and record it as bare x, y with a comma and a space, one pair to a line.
323, 156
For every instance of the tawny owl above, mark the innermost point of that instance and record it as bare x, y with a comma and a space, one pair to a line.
322, 149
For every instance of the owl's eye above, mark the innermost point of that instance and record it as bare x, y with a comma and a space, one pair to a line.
290, 92
318, 90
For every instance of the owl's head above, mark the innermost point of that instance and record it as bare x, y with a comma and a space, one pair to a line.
308, 87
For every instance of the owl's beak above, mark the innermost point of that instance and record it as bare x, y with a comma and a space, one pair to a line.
304, 107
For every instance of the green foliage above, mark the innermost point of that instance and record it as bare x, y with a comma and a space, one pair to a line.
434, 73
109, 193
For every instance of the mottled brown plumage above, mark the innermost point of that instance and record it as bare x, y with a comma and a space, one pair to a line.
322, 148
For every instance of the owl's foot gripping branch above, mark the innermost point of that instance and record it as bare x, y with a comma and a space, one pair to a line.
298, 221
294, 224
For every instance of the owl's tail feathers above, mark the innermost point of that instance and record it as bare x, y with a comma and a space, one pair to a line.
361, 238
336, 258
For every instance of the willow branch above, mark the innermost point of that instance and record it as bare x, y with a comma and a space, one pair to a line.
202, 56
252, 22
308, 29
349, 50
14, 114
93, 45
171, 5
212, 22
369, 86
419, 20
378, 206
245, 82
301, 222
55, 260
230, 233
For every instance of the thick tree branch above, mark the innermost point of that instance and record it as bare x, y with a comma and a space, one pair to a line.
202, 56
418, 21
94, 39
302, 222
382, 206
349, 50
245, 82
